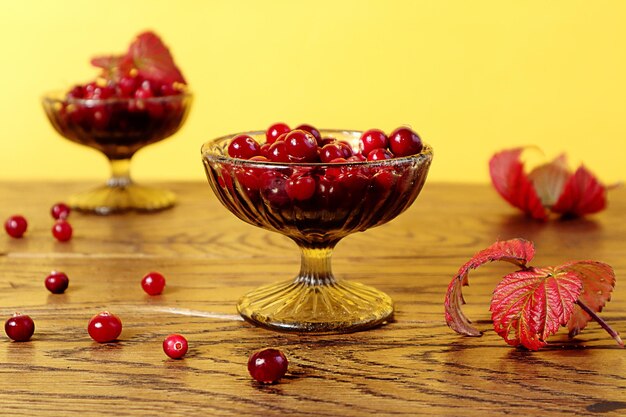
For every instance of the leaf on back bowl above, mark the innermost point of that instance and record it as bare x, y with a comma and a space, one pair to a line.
516, 251
549, 180
528, 306
582, 194
153, 60
512, 183
598, 281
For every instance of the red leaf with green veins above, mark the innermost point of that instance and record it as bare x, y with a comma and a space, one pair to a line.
598, 280
515, 251
509, 179
549, 180
529, 306
582, 194
153, 60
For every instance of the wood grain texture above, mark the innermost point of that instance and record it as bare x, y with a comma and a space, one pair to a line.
413, 366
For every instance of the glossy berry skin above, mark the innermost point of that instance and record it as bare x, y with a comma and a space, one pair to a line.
301, 188
104, 327
62, 230
57, 282
60, 211
278, 152
404, 142
268, 365
331, 151
175, 346
379, 155
274, 131
243, 147
373, 139
20, 327
313, 131
153, 283
16, 226
301, 146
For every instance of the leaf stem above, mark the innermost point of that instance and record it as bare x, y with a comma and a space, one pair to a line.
602, 323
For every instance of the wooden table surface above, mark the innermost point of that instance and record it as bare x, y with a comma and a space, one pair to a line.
413, 366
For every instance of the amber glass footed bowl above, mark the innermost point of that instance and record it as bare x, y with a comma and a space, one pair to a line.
118, 127
339, 199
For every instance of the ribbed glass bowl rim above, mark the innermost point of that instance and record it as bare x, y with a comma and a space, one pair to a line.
207, 151
59, 97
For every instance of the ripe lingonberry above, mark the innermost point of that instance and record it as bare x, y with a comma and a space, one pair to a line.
243, 147
104, 327
153, 283
404, 142
16, 226
175, 346
57, 282
60, 211
62, 230
20, 327
268, 365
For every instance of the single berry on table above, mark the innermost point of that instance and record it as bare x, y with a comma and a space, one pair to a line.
104, 327
57, 282
243, 147
175, 346
153, 283
62, 230
268, 365
60, 211
20, 327
274, 132
16, 226
404, 142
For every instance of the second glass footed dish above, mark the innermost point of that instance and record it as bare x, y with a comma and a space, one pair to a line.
316, 205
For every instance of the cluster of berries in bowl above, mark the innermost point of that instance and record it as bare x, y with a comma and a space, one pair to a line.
307, 182
118, 117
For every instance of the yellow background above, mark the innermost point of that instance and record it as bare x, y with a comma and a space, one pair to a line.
472, 77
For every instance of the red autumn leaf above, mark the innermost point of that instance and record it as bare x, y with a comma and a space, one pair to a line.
516, 251
528, 306
598, 280
509, 179
153, 60
549, 180
113, 66
582, 194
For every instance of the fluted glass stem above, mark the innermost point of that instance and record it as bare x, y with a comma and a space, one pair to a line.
315, 266
120, 173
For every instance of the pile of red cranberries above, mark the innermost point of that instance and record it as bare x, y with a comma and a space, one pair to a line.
305, 144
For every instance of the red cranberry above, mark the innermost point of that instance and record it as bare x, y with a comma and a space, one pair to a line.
20, 327
404, 142
268, 365
168, 89
77, 92
144, 91
62, 230
243, 147
331, 151
274, 131
97, 92
265, 150
104, 327
347, 149
153, 283
326, 141
57, 282
379, 155
301, 146
175, 346
273, 188
357, 157
335, 171
316, 133
127, 85
384, 179
301, 188
278, 152
16, 226
373, 139
60, 211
